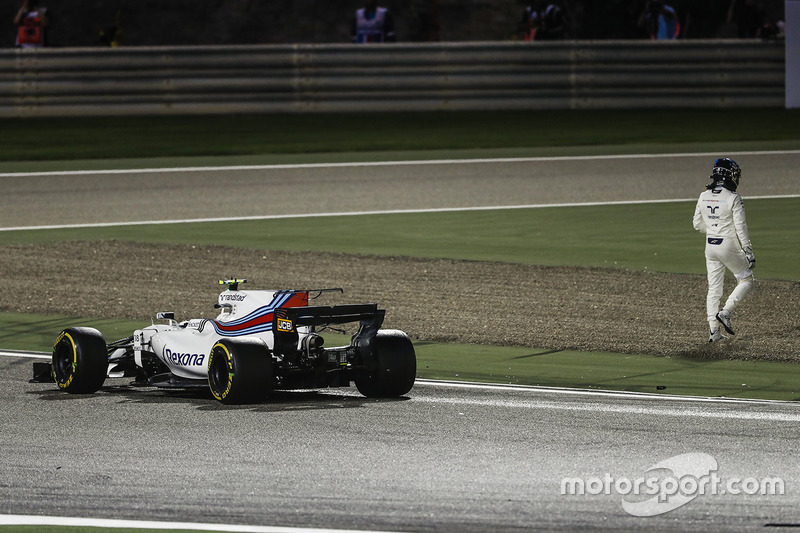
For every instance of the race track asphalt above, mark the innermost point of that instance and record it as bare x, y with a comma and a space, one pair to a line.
85, 198
445, 458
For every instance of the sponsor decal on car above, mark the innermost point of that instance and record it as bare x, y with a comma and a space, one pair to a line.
260, 320
232, 297
184, 359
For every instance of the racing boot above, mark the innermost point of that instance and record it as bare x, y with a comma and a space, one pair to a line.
716, 336
724, 318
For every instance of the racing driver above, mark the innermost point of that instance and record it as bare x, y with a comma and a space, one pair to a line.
720, 214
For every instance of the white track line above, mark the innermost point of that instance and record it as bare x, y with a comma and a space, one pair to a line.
390, 163
30, 520
331, 214
30, 355
364, 213
592, 392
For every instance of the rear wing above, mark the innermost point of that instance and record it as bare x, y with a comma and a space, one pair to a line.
286, 320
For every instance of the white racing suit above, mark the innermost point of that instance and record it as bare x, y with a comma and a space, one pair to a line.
720, 214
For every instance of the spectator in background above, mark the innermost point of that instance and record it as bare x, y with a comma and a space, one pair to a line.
31, 21
424, 24
748, 15
542, 22
660, 21
373, 24
111, 35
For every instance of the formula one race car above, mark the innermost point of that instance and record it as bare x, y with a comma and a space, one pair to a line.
260, 341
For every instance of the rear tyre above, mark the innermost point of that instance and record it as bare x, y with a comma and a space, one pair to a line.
80, 360
240, 371
392, 369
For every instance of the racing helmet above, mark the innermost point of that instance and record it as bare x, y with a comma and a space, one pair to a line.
727, 173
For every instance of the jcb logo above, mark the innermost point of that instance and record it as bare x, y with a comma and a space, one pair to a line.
284, 325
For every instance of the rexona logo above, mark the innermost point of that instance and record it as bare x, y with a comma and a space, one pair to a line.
184, 359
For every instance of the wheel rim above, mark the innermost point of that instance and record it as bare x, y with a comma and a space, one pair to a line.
218, 373
62, 360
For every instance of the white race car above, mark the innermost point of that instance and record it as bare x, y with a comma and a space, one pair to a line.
262, 340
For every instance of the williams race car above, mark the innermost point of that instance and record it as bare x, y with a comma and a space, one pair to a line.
262, 340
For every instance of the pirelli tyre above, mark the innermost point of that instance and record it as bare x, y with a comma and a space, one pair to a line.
80, 360
392, 369
240, 370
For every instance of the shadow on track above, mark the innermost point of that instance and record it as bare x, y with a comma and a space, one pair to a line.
201, 397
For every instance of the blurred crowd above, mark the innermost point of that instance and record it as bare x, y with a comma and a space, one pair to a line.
654, 19
131, 22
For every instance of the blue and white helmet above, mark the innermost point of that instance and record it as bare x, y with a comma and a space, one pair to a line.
727, 172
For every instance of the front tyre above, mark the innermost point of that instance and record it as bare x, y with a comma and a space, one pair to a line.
240, 370
391, 371
80, 360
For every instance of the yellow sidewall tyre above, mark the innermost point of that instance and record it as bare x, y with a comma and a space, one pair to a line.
80, 360
240, 371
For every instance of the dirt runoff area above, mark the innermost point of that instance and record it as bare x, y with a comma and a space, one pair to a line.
555, 308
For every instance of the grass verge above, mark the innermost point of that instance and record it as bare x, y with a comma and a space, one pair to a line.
65, 138
610, 371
